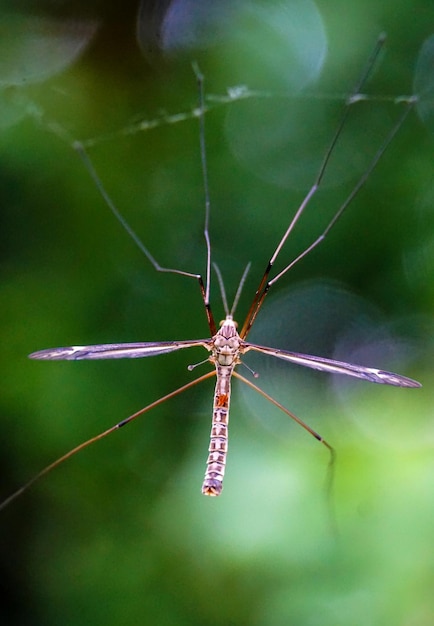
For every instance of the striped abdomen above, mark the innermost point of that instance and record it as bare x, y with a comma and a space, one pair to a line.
218, 447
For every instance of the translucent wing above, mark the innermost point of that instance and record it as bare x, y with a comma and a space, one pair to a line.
115, 350
337, 367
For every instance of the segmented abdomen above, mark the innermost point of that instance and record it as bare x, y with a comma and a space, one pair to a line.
218, 447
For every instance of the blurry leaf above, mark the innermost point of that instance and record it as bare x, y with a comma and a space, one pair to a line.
423, 85
34, 48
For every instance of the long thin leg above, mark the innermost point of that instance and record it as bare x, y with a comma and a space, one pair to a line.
107, 432
353, 193
288, 412
331, 450
78, 146
201, 114
265, 283
204, 289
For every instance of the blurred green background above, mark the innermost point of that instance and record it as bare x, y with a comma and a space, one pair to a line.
121, 533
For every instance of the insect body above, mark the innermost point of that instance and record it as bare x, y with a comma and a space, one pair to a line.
226, 349
227, 345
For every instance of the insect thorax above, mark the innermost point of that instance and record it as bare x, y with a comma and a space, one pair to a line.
226, 344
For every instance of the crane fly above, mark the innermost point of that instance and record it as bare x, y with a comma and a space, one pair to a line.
227, 345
